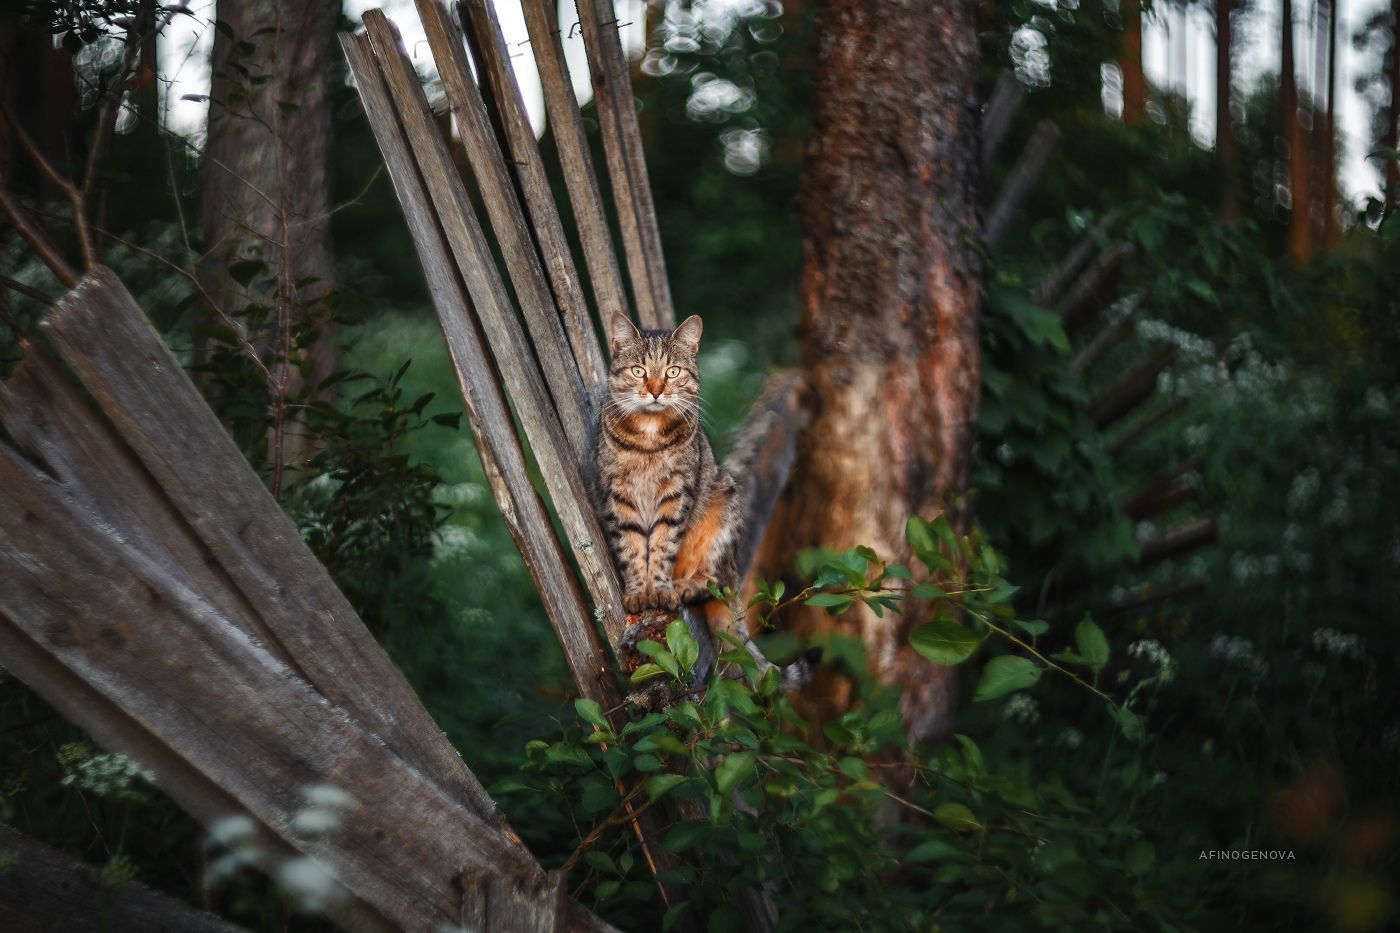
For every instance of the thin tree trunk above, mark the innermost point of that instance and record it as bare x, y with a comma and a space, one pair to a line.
266, 184
891, 288
1130, 63
1327, 177
1224, 120
1299, 220
1391, 139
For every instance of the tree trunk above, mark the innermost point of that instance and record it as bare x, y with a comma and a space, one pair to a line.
1327, 176
1299, 219
891, 287
1224, 120
1391, 139
266, 184
1130, 63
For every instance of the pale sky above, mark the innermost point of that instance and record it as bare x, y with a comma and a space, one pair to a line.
185, 63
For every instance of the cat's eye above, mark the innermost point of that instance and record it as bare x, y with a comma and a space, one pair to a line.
673, 372
639, 372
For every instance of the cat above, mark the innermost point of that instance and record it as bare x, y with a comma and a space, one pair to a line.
673, 517
670, 513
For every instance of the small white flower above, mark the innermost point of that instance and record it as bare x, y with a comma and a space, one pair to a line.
310, 883
1022, 709
1339, 644
1152, 651
1070, 738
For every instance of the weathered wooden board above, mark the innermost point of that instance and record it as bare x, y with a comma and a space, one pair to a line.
165, 658
1019, 184
493, 429
571, 142
102, 335
46, 890
528, 169
627, 169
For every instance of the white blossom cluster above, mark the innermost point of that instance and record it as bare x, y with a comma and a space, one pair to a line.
1193, 347
1247, 567
1344, 645
104, 775
454, 541
1151, 650
1238, 652
1022, 709
1070, 738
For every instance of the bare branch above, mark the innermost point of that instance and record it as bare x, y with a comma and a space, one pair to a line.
37, 239
15, 285
61, 181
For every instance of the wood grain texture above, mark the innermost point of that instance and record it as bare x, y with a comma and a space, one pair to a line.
103, 336
519, 376
164, 656
627, 170
571, 142
999, 113
503, 460
1074, 260
529, 171
1095, 289
507, 220
46, 889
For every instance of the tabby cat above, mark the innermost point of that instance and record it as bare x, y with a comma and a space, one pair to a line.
670, 512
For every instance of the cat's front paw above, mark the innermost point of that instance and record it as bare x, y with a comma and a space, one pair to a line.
651, 599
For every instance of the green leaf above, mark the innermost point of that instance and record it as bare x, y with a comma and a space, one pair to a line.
598, 796
1004, 675
945, 641
1034, 629
659, 784
673, 916
682, 644
1139, 858
647, 762
1130, 723
645, 672
590, 711
854, 768
935, 850
956, 816
732, 768
684, 835
600, 861
830, 600
1092, 644
561, 753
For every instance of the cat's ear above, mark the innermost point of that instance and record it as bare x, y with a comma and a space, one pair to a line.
622, 331
689, 333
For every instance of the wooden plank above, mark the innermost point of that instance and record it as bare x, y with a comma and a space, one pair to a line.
1177, 541
1131, 436
102, 335
203, 688
1075, 259
1095, 289
503, 460
1131, 390
521, 380
529, 170
1109, 337
1024, 175
999, 113
571, 142
627, 170
51, 421
1152, 596
507, 906
507, 219
1162, 492
45, 889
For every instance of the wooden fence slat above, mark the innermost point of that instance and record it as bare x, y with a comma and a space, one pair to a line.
46, 889
1152, 596
999, 113
622, 144
1162, 492
105, 338
1138, 430
528, 167
51, 421
1131, 390
233, 711
1095, 289
1109, 337
564, 383
571, 142
775, 421
1075, 259
1186, 537
507, 471
1024, 174
522, 383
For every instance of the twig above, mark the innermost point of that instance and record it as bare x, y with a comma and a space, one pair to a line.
64, 184
37, 239
107, 119
28, 291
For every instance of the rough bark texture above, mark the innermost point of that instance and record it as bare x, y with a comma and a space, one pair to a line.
1224, 122
266, 182
1130, 64
891, 287
1327, 173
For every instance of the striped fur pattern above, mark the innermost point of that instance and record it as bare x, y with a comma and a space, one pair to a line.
670, 512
